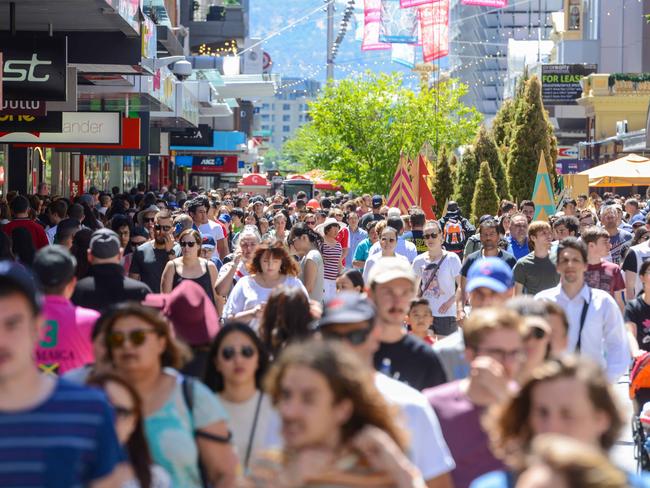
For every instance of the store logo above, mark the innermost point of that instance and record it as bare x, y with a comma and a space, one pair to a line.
21, 70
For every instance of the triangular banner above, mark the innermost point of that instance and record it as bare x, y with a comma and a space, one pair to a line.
543, 196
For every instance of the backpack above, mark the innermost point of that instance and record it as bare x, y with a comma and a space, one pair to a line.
453, 233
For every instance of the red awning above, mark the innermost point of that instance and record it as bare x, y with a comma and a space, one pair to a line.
254, 179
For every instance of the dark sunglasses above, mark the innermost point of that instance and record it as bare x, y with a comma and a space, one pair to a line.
123, 412
229, 352
354, 337
148, 219
164, 228
187, 243
429, 236
310, 222
537, 333
135, 337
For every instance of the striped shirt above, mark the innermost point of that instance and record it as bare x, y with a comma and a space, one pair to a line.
331, 260
67, 441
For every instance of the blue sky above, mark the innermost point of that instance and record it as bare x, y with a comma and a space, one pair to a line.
300, 51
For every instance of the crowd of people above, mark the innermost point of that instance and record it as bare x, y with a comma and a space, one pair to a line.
201, 338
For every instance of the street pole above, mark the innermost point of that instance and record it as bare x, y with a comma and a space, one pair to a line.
330, 39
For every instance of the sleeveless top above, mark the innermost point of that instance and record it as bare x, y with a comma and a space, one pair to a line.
203, 281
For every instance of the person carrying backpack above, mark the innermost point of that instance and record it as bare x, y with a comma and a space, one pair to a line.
455, 230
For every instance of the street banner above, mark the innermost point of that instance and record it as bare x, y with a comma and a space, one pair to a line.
543, 196
401, 190
426, 200
403, 54
398, 25
414, 3
434, 29
371, 26
486, 3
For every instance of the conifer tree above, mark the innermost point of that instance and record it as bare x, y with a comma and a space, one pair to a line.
486, 200
486, 149
530, 137
443, 183
467, 176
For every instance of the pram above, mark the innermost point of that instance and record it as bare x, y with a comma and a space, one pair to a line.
640, 395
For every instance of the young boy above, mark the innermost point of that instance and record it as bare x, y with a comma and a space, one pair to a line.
420, 320
602, 274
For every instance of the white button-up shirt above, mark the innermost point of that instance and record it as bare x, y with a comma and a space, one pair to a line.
604, 338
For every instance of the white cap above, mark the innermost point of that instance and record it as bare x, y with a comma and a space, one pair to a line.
390, 268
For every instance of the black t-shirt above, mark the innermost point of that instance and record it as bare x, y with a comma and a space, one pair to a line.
412, 361
416, 237
469, 260
638, 312
149, 263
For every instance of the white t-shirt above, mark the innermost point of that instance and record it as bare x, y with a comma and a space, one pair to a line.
212, 229
372, 260
428, 449
443, 286
247, 294
403, 248
241, 417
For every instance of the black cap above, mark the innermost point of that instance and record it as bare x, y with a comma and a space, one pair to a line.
347, 308
377, 201
54, 266
14, 276
104, 244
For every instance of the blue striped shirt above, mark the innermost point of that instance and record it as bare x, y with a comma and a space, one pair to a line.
66, 441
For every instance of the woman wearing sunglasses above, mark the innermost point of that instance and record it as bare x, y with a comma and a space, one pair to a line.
190, 266
236, 365
438, 273
129, 426
388, 243
184, 422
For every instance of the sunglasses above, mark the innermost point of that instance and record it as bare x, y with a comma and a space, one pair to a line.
536, 333
227, 353
123, 412
187, 243
135, 337
310, 222
429, 236
354, 337
164, 228
148, 220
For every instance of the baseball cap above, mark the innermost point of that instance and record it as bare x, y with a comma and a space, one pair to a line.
346, 308
377, 201
637, 219
104, 244
54, 265
390, 268
15, 276
225, 218
492, 273
208, 242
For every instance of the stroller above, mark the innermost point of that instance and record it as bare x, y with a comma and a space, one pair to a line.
640, 395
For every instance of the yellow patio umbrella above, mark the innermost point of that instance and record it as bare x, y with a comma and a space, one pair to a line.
630, 170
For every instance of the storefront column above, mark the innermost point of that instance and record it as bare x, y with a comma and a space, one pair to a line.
17, 166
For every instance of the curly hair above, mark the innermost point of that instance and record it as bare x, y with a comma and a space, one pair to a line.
277, 250
348, 378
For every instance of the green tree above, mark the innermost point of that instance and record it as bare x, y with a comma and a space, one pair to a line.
443, 183
360, 126
467, 176
502, 123
486, 200
486, 149
530, 137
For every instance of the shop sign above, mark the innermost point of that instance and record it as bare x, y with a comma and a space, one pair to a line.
149, 38
214, 164
572, 166
198, 137
34, 66
567, 152
23, 107
52, 122
78, 128
561, 82
187, 106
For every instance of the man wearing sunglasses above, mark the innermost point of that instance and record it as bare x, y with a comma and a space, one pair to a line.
53, 433
350, 318
150, 258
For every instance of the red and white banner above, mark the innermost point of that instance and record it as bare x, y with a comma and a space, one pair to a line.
434, 30
486, 3
414, 3
372, 26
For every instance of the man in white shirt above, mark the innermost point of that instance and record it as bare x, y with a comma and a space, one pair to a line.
596, 327
350, 317
198, 210
404, 247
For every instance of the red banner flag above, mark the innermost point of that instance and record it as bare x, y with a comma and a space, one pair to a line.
486, 3
426, 200
372, 26
434, 29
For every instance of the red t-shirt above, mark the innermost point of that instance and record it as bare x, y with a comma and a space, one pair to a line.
605, 276
343, 238
39, 237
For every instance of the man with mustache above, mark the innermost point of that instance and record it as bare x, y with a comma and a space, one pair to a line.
400, 355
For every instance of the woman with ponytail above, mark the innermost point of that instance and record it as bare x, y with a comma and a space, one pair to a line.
307, 244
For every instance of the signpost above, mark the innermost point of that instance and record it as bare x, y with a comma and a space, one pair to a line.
561, 82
